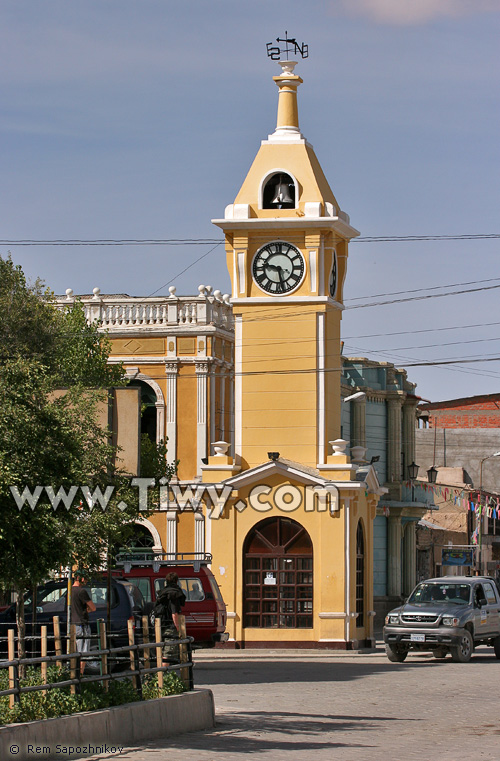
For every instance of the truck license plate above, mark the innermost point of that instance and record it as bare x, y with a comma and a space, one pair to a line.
417, 637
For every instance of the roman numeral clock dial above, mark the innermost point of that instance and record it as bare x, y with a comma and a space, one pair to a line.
278, 268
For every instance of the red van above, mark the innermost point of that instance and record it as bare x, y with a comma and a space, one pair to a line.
205, 609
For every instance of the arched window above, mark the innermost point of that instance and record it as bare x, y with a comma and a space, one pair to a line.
278, 576
279, 192
360, 575
148, 408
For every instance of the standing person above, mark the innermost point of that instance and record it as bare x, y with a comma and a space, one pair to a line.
81, 606
169, 604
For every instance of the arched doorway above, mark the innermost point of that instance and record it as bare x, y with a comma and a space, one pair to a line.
278, 576
360, 575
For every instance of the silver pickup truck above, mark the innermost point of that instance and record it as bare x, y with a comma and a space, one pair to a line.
452, 614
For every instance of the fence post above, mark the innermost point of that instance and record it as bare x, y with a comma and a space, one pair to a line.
57, 639
43, 665
101, 630
159, 653
183, 654
72, 661
12, 669
145, 639
131, 641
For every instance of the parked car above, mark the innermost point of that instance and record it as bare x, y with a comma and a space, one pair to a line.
205, 609
451, 614
127, 604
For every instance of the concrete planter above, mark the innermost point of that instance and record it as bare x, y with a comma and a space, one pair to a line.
121, 726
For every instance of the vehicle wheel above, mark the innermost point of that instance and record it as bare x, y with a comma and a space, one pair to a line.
396, 654
496, 645
463, 652
440, 652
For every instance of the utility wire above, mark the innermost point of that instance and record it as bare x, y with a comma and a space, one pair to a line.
208, 241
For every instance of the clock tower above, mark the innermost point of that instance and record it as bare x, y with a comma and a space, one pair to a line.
292, 534
286, 244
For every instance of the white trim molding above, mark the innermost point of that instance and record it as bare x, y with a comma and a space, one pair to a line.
201, 415
171, 370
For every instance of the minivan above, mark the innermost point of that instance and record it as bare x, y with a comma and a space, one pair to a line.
205, 610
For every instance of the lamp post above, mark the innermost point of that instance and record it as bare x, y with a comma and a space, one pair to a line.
480, 520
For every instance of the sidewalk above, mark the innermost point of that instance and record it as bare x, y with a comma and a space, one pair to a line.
250, 653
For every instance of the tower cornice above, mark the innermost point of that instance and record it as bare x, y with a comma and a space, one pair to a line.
335, 224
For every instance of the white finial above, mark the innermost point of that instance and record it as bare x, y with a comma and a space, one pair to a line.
226, 298
358, 455
172, 291
218, 295
208, 289
287, 67
96, 292
220, 448
69, 293
202, 289
338, 446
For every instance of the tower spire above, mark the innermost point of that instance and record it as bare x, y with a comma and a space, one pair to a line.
287, 123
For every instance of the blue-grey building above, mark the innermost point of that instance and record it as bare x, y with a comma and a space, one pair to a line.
382, 420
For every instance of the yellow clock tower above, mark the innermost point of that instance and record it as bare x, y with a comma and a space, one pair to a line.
286, 243
292, 534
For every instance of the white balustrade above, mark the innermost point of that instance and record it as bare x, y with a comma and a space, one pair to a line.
118, 314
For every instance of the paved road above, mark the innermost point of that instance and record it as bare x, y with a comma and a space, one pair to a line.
300, 706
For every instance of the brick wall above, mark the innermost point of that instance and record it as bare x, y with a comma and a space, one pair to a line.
480, 414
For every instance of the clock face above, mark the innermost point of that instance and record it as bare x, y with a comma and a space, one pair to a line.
333, 277
278, 268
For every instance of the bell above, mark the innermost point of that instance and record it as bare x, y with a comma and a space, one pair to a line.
282, 194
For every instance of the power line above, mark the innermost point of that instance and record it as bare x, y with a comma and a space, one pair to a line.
209, 241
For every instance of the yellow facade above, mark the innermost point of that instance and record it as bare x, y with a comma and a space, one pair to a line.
287, 253
289, 523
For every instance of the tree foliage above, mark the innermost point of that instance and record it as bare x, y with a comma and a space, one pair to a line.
54, 375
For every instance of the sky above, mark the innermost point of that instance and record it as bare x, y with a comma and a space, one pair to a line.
139, 119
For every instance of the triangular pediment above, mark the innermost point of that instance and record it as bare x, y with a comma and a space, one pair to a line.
289, 470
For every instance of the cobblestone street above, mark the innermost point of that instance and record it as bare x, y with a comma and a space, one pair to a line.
298, 705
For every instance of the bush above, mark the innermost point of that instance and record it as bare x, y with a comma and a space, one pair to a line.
93, 696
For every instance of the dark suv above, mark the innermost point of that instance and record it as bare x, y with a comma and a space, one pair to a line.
127, 604
451, 614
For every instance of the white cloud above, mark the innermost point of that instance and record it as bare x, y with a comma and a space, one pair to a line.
413, 12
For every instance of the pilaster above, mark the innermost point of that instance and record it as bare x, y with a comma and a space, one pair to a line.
171, 370
201, 416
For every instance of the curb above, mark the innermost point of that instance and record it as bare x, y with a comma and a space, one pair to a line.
108, 730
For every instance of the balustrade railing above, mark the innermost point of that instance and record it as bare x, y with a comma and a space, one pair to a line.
116, 314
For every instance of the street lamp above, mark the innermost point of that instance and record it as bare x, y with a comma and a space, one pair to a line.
432, 475
480, 521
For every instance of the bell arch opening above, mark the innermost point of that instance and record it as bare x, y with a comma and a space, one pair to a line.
278, 576
279, 191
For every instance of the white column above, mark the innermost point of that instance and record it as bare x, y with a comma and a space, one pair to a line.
238, 386
199, 533
160, 421
231, 412
171, 369
171, 534
320, 351
222, 402
201, 418
213, 371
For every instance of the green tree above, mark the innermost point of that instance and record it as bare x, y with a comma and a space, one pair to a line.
53, 376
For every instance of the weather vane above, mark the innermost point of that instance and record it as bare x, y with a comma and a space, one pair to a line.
291, 46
